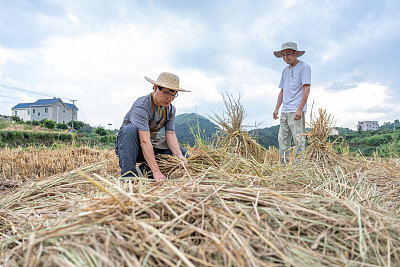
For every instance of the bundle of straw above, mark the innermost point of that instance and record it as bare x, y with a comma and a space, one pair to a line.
214, 159
233, 134
320, 149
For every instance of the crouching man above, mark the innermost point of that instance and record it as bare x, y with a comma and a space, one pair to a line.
138, 141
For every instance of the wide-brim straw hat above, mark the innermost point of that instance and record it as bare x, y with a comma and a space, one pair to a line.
167, 80
289, 45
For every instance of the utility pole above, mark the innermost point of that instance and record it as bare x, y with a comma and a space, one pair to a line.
72, 112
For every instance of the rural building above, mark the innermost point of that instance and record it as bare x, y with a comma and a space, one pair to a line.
51, 109
368, 125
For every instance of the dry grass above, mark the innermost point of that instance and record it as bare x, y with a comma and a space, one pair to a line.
33, 164
210, 219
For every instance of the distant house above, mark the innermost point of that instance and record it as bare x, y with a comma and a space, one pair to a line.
51, 109
368, 125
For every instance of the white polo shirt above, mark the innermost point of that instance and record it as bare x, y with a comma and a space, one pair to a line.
292, 82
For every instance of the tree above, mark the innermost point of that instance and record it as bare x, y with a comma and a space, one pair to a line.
77, 124
86, 129
100, 131
49, 124
62, 126
16, 119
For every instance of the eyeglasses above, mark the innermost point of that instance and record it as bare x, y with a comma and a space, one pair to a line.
287, 55
168, 94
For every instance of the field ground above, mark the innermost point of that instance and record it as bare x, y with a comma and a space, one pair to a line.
68, 206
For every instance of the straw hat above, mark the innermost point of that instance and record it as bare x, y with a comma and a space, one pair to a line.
167, 80
289, 45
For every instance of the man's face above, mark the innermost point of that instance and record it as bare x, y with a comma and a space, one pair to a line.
289, 56
164, 96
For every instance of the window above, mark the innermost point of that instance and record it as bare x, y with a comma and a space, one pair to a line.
38, 114
46, 110
33, 111
16, 113
63, 121
29, 112
64, 111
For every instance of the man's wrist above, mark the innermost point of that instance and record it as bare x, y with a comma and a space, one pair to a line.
156, 171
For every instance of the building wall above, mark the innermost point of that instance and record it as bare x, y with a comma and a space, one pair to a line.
64, 114
368, 125
40, 113
23, 114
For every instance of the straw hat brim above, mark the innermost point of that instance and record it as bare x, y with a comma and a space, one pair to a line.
278, 54
165, 85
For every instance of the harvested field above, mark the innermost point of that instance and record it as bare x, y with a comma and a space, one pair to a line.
221, 210
68, 206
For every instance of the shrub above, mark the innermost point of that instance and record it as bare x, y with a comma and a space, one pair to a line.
100, 131
16, 119
49, 124
4, 124
77, 125
62, 126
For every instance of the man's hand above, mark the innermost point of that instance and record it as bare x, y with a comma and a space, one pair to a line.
159, 177
184, 160
275, 114
298, 114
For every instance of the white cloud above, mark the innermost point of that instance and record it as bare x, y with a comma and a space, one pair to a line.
8, 55
352, 105
104, 70
100, 58
24, 98
72, 18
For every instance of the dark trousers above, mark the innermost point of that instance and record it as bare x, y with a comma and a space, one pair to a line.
129, 151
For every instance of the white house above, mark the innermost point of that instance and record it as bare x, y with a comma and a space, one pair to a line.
51, 109
368, 125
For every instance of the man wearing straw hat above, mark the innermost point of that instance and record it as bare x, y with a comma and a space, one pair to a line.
295, 87
138, 141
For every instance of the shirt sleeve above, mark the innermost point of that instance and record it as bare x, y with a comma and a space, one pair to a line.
281, 84
170, 123
140, 117
306, 75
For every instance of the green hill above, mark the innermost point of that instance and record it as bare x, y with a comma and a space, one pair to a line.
185, 122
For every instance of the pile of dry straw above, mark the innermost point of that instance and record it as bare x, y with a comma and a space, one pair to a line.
227, 207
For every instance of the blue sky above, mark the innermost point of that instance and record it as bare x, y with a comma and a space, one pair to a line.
97, 52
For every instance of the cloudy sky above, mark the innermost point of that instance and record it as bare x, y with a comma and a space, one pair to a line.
97, 52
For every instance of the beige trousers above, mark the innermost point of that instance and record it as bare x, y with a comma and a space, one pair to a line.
290, 128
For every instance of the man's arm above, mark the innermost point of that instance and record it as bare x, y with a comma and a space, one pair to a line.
148, 153
299, 111
278, 104
173, 144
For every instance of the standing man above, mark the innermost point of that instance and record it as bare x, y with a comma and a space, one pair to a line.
295, 88
138, 141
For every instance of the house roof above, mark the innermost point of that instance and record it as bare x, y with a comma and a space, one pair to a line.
71, 106
22, 105
44, 102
